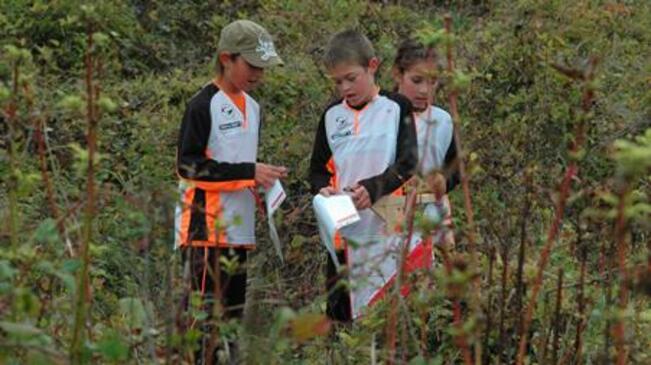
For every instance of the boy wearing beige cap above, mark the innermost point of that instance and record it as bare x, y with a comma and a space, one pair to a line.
218, 169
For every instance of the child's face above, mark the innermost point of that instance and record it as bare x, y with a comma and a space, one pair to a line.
242, 75
417, 83
355, 83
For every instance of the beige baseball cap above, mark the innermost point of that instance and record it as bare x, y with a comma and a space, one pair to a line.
251, 41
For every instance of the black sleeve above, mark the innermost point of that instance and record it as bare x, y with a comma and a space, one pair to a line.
192, 162
406, 155
321, 154
261, 124
452, 166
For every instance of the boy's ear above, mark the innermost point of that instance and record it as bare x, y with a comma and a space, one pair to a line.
373, 64
224, 57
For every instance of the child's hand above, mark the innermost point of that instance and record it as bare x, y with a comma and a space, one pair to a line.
328, 190
360, 196
266, 175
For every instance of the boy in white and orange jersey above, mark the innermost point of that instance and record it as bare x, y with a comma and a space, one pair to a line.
218, 168
365, 145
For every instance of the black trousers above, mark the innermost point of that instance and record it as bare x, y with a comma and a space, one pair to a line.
232, 291
338, 306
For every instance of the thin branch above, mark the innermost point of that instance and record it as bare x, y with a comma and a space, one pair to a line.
564, 190
83, 289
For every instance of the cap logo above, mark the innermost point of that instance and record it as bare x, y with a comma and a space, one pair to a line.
265, 49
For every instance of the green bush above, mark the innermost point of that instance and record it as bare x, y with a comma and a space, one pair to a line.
518, 115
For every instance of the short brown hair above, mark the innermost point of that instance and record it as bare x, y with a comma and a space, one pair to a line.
219, 68
411, 52
348, 46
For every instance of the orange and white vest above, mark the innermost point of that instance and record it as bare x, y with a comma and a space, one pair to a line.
363, 144
434, 130
212, 211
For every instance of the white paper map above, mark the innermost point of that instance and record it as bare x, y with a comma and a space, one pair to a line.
333, 213
273, 198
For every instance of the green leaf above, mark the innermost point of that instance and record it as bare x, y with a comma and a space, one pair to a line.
283, 316
7, 272
26, 302
460, 80
237, 220
133, 311
106, 104
72, 104
634, 158
16, 54
200, 315
229, 265
418, 360
4, 94
45, 266
297, 241
81, 158
101, 39
71, 265
112, 348
27, 182
68, 281
5, 288
20, 329
348, 340
38, 358
46, 232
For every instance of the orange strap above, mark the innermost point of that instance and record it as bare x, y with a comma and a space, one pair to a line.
357, 113
205, 271
203, 279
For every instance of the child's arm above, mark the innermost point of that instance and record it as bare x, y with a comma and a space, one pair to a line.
193, 162
406, 156
321, 153
452, 166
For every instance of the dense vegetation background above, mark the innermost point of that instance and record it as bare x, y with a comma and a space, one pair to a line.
87, 269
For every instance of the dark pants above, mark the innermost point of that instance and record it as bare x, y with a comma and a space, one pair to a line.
338, 307
232, 291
